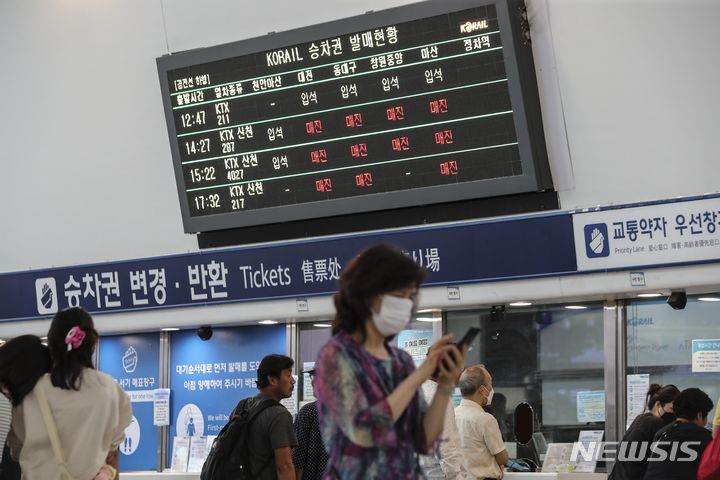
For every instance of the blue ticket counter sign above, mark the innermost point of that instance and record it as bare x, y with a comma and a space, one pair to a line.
657, 234
133, 361
208, 378
510, 248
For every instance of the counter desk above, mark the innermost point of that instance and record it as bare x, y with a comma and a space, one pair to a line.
159, 476
554, 476
508, 476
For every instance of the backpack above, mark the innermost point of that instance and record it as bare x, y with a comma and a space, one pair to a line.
229, 458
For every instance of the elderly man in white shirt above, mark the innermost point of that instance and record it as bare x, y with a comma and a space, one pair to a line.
447, 461
482, 443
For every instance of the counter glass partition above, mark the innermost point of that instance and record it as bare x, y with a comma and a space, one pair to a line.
548, 356
667, 346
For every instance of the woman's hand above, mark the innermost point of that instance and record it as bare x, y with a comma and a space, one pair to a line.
445, 358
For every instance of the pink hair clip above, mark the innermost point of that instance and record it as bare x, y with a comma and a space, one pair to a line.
74, 338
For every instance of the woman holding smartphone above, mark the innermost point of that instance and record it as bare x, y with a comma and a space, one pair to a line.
373, 418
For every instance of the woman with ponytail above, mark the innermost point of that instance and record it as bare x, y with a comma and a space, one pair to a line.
87, 410
635, 445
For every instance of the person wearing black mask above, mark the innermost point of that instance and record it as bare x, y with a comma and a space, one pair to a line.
680, 445
634, 449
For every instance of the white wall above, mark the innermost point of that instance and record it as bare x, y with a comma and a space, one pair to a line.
86, 176
638, 81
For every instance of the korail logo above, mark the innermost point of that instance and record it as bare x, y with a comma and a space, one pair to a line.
596, 240
130, 360
46, 295
473, 26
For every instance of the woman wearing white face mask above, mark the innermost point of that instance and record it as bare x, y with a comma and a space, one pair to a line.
372, 418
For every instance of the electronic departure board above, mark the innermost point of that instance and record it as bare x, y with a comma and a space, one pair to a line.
428, 103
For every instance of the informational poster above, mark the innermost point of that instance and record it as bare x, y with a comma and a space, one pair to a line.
134, 362
591, 406
591, 440
706, 355
637, 388
208, 378
210, 439
291, 403
180, 454
416, 343
161, 407
198, 453
308, 391
558, 458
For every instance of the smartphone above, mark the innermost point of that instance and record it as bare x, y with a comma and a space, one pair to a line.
466, 340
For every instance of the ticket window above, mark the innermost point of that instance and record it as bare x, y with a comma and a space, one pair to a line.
668, 346
548, 356
313, 335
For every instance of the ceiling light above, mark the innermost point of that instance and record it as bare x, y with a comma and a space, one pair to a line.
169, 329
649, 295
267, 322
520, 304
428, 319
709, 299
429, 310
575, 307
322, 325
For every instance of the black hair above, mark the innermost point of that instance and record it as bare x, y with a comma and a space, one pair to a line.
499, 399
663, 394
68, 365
375, 271
272, 366
23, 360
690, 402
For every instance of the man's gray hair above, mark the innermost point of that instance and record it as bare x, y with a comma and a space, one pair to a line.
471, 379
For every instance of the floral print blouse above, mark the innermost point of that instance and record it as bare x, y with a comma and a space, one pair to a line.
356, 423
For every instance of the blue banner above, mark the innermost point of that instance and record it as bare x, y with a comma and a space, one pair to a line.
208, 378
133, 361
475, 252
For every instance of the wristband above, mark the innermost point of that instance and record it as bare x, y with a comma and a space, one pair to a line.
445, 390
112, 470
